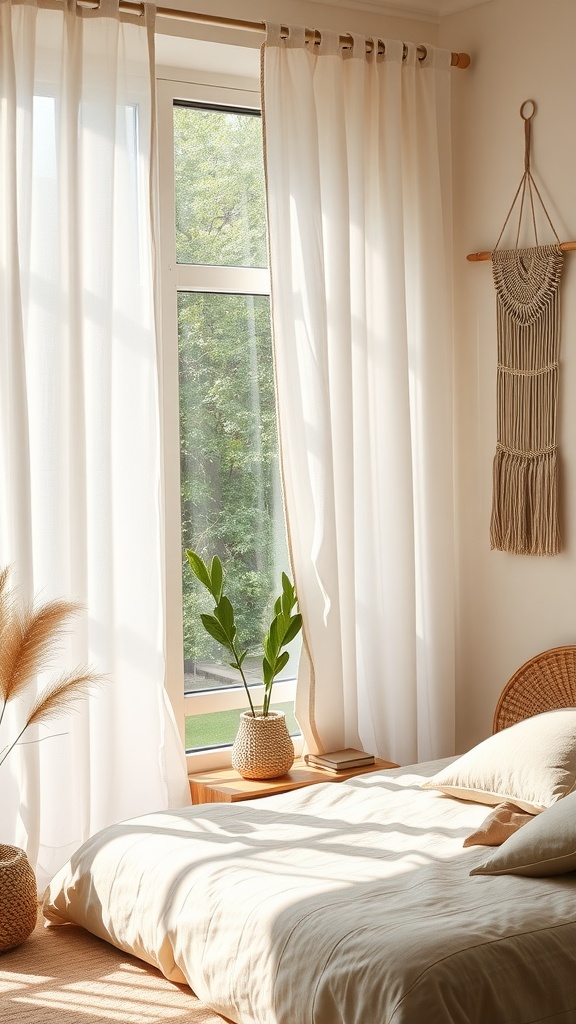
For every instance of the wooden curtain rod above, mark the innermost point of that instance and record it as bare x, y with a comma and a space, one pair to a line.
479, 257
459, 60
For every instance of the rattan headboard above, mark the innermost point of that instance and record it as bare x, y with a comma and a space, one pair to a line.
545, 682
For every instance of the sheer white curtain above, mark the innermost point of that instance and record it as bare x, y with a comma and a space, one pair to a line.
358, 169
80, 493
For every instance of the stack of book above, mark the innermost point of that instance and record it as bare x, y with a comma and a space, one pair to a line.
340, 760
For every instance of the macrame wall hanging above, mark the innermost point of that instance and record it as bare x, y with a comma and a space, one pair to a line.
525, 472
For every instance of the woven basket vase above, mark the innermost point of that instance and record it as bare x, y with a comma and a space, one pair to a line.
262, 748
18, 897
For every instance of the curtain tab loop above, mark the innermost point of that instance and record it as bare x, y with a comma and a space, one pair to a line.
358, 47
410, 54
329, 45
296, 38
108, 8
273, 34
393, 50
436, 58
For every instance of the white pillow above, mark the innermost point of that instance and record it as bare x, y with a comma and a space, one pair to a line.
546, 845
532, 764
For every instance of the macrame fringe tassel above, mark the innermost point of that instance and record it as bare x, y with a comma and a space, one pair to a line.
524, 509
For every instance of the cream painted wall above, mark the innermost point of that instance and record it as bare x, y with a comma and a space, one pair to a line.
510, 607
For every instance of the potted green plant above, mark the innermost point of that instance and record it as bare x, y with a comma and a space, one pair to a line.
262, 748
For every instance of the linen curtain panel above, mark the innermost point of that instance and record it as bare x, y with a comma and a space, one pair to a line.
80, 495
358, 170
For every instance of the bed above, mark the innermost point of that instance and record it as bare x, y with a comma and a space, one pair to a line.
354, 903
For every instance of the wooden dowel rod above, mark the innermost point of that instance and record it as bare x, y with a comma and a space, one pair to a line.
458, 60
479, 257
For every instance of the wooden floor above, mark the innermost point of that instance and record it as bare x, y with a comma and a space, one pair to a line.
67, 976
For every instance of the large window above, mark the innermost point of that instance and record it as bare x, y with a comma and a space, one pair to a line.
216, 293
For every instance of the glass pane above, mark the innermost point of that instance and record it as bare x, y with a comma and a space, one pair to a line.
220, 728
230, 486
219, 188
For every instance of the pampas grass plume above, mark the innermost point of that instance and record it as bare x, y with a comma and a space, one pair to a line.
30, 638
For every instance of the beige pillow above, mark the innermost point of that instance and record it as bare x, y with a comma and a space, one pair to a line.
500, 824
531, 764
545, 846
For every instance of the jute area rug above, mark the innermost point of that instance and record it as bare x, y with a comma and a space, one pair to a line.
67, 976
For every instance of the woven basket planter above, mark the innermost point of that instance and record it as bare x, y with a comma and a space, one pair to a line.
262, 748
18, 897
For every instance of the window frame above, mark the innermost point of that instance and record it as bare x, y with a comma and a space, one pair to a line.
177, 277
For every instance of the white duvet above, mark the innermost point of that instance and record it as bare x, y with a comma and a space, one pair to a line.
347, 903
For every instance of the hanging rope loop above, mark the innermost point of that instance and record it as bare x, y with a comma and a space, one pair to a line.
527, 184
528, 117
527, 132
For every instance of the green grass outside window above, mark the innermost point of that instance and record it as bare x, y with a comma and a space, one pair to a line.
219, 728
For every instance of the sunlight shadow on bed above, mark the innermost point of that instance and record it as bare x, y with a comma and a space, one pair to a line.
286, 908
